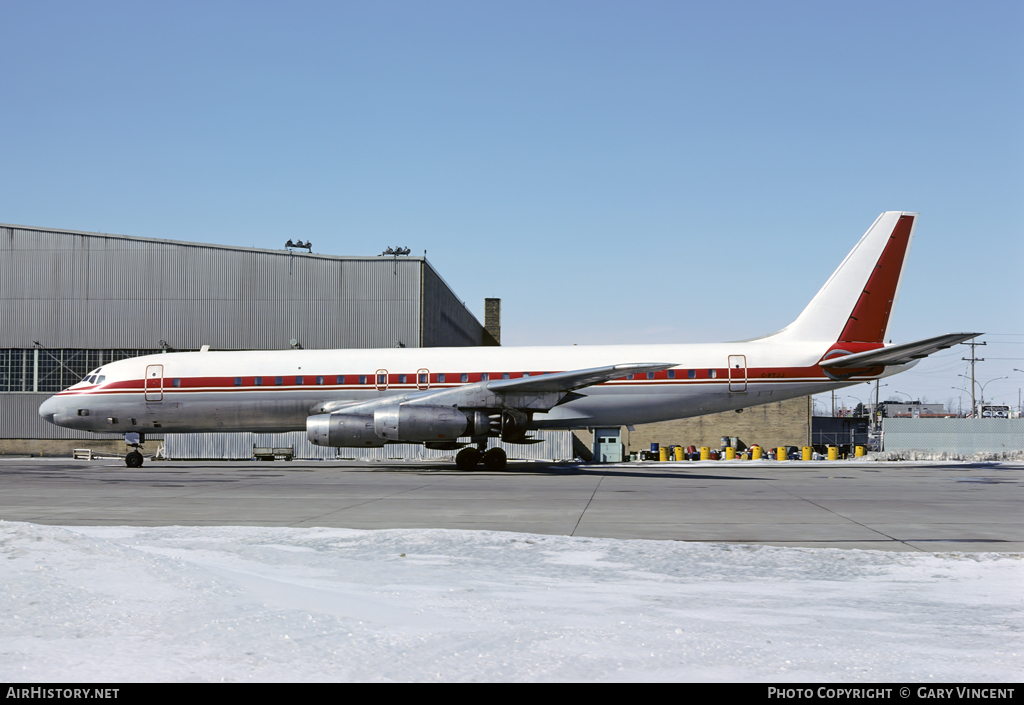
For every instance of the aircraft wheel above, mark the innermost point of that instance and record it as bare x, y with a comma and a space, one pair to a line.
467, 458
495, 459
133, 459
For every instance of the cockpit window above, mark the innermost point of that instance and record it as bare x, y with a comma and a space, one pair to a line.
99, 380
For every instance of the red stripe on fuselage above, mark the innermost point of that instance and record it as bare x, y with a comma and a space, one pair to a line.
702, 376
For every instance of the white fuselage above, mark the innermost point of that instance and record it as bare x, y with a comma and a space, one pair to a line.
274, 391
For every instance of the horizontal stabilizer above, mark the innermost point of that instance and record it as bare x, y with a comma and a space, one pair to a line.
898, 354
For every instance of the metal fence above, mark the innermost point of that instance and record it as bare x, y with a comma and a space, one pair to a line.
963, 436
555, 445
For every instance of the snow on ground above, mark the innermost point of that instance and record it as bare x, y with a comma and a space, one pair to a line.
281, 604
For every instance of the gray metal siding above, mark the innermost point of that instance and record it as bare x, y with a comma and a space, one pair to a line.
963, 436
446, 320
76, 290
19, 418
557, 445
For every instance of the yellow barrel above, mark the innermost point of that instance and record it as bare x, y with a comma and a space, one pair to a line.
679, 452
833, 453
663, 454
705, 453
755, 453
730, 453
859, 452
780, 453
807, 453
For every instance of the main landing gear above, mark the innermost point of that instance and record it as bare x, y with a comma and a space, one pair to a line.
134, 458
493, 459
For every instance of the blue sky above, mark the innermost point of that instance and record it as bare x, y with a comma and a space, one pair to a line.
615, 172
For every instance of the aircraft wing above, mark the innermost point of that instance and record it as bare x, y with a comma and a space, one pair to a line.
898, 354
540, 392
574, 379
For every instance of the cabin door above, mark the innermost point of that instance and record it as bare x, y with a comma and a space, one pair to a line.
154, 383
737, 373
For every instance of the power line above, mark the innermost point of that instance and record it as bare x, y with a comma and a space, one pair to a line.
973, 360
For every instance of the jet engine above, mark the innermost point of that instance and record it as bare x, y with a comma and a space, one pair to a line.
402, 422
342, 431
398, 423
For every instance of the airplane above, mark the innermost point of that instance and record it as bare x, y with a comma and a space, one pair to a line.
438, 396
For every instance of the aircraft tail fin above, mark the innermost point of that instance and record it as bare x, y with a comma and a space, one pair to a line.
855, 303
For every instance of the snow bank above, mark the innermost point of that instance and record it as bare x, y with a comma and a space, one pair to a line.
279, 604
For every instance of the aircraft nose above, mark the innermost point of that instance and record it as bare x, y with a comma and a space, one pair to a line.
48, 409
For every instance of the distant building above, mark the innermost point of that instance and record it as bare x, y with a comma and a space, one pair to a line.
915, 410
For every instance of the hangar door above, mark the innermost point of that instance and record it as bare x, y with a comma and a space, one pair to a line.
608, 445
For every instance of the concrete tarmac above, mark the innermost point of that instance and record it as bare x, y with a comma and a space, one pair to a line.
898, 506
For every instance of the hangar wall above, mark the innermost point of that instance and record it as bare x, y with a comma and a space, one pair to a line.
71, 301
553, 445
782, 423
70, 289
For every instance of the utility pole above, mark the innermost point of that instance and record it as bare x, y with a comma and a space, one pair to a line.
972, 360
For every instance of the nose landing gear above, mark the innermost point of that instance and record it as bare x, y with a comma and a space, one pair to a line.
135, 441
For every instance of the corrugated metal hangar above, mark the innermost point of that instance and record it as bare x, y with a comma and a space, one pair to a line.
72, 301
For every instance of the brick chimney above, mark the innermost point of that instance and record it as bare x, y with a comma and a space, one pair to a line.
492, 322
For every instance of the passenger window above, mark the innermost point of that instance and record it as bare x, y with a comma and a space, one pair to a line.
401, 379
279, 380
485, 376
629, 376
362, 379
177, 382
423, 379
464, 377
320, 379
238, 381
298, 380
382, 379
340, 379
440, 377
505, 375
692, 374
671, 374
259, 381
526, 374
650, 375
712, 374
